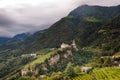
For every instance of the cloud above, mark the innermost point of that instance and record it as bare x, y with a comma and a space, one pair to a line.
18, 16
4, 19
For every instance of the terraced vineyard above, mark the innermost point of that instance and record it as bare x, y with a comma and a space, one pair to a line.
107, 74
84, 77
101, 74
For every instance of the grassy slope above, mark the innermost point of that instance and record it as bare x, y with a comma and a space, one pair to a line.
41, 58
92, 19
43, 55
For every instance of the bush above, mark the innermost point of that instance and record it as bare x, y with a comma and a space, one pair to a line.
25, 78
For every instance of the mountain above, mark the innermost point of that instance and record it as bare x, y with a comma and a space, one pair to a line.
80, 25
91, 34
98, 12
8, 43
107, 37
20, 36
97, 42
4, 40
20, 40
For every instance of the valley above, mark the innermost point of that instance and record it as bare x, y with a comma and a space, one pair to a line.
84, 45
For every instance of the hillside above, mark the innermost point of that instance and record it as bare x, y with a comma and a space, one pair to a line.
101, 74
81, 24
3, 40
20, 40
108, 36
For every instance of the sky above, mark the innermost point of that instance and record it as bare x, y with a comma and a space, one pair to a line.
19, 16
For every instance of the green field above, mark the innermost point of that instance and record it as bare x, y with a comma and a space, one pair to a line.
84, 77
107, 74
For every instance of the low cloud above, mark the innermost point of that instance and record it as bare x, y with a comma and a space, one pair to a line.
26, 16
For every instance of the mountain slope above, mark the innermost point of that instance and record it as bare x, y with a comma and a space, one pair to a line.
4, 40
20, 40
101, 13
80, 24
107, 37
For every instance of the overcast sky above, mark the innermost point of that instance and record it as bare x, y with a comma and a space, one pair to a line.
18, 16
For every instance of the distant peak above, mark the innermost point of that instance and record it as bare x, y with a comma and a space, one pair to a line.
84, 5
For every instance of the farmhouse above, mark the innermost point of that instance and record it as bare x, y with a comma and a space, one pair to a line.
34, 55
30, 69
85, 69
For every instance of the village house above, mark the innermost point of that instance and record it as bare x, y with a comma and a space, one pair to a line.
85, 69
34, 55
24, 72
119, 65
30, 69
29, 55
43, 76
53, 49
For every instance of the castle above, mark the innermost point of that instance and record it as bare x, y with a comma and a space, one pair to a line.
73, 45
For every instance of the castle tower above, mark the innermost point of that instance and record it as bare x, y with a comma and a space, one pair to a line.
74, 45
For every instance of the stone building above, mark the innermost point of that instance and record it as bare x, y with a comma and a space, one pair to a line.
24, 72
85, 69
63, 45
74, 45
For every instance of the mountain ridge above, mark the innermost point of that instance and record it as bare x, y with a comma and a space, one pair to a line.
76, 26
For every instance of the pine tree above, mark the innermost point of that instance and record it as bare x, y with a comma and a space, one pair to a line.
69, 71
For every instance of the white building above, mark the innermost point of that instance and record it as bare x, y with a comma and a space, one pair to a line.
63, 45
29, 55
85, 69
34, 55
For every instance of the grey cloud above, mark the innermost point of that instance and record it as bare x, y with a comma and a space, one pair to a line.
34, 18
101, 2
5, 20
